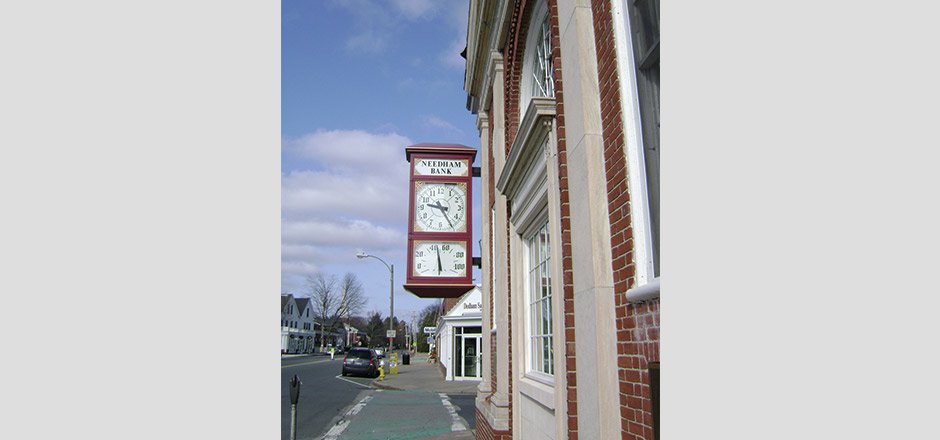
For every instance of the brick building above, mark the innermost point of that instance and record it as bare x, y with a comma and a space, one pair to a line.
567, 101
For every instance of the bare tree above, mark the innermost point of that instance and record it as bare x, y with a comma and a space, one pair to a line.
332, 299
353, 297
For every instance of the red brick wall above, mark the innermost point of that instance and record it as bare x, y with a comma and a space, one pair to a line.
637, 325
485, 432
637, 346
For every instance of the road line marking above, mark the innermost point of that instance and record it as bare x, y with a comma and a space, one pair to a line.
341, 426
305, 363
457, 424
352, 381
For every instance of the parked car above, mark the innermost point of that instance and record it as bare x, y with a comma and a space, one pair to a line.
362, 361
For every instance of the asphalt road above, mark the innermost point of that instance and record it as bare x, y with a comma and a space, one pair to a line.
323, 397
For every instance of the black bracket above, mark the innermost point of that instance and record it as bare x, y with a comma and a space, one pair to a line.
478, 262
476, 171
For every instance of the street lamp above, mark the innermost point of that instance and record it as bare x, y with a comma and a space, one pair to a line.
391, 289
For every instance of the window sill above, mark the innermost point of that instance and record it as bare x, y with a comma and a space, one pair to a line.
645, 292
538, 389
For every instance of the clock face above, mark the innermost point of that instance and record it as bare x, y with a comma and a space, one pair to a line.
439, 259
440, 207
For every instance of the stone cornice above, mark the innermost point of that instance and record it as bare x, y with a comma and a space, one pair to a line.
536, 123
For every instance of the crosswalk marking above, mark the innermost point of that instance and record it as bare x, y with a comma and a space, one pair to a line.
338, 428
457, 424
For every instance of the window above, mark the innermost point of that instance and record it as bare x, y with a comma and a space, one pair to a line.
538, 78
540, 301
644, 24
542, 74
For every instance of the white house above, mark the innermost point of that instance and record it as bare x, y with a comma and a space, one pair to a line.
298, 328
458, 338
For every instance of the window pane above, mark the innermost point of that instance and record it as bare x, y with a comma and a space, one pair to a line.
545, 356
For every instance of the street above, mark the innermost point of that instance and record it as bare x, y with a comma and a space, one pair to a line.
335, 407
322, 395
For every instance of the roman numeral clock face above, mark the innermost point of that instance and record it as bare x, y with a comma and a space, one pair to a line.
439, 259
440, 207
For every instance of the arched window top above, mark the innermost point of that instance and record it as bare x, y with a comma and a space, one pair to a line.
538, 77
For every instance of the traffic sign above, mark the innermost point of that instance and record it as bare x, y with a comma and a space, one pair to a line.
390, 333
430, 330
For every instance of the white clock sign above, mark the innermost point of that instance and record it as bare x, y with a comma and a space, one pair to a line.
441, 167
440, 207
439, 259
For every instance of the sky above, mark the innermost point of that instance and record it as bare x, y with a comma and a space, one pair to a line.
360, 81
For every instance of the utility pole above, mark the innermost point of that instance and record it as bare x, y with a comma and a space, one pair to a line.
391, 293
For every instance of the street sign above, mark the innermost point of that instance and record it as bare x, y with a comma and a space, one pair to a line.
390, 333
430, 330
431, 340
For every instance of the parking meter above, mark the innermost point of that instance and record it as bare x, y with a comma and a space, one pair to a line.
294, 390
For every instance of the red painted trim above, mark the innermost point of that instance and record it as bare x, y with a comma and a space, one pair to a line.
446, 287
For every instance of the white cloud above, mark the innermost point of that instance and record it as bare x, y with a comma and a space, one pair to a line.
352, 234
433, 121
456, 15
366, 42
415, 9
354, 196
451, 56
351, 150
374, 196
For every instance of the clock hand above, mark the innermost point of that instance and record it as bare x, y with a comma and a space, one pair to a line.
448, 221
439, 261
443, 210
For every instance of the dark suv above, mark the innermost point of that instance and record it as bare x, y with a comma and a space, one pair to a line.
361, 361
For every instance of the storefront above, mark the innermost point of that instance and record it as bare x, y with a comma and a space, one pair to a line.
459, 338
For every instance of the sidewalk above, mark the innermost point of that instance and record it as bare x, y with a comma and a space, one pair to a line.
420, 375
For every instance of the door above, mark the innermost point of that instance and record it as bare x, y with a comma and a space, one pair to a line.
471, 356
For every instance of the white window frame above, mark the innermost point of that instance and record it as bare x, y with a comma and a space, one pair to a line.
633, 137
532, 357
529, 180
534, 44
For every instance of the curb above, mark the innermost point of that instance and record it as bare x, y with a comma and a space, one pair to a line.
381, 384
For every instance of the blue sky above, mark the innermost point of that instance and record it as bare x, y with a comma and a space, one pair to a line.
361, 80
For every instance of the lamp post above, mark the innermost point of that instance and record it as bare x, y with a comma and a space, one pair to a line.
391, 290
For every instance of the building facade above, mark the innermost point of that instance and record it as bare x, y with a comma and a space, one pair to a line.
300, 332
459, 336
567, 101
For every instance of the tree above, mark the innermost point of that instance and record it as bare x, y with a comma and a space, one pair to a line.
375, 328
429, 317
332, 300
